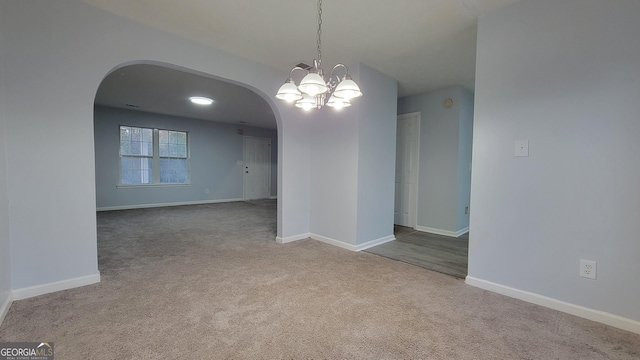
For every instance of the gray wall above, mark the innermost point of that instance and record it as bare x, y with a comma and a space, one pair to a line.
215, 149
377, 155
465, 149
444, 159
564, 75
334, 169
5, 248
353, 159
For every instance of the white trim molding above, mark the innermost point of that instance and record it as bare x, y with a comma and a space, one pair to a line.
334, 242
443, 232
462, 231
351, 247
436, 231
577, 310
145, 206
4, 308
293, 238
24, 293
376, 242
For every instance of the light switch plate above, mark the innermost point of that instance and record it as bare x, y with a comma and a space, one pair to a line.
522, 147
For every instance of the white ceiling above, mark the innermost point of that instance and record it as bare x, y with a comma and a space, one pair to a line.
163, 90
424, 44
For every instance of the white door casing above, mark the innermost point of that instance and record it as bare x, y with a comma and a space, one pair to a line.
257, 168
407, 153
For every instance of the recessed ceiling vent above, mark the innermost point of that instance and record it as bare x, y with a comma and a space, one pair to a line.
131, 105
304, 66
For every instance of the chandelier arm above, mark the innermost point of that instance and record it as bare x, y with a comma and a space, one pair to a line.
317, 66
296, 68
333, 81
340, 65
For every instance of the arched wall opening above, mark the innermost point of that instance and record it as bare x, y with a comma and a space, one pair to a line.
155, 95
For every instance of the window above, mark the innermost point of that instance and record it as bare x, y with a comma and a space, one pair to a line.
136, 155
173, 156
153, 156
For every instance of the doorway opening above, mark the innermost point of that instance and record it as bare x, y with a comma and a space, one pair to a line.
155, 97
207, 152
445, 254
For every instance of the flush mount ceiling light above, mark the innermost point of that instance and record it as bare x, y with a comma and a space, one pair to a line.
313, 90
201, 100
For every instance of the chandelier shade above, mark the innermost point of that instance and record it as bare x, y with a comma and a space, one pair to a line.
314, 89
313, 84
289, 92
307, 102
338, 103
347, 89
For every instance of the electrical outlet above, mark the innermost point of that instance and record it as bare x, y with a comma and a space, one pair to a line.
466, 209
522, 148
206, 191
588, 269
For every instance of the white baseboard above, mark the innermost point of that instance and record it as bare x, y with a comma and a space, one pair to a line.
320, 238
577, 310
376, 242
443, 232
436, 231
145, 206
4, 307
24, 293
462, 231
334, 242
293, 238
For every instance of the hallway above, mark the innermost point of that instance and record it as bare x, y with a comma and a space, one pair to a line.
444, 254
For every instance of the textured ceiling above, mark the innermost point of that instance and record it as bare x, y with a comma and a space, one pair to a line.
423, 44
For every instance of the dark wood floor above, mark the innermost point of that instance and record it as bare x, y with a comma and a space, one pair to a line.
444, 254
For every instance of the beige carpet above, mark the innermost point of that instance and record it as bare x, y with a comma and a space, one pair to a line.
209, 282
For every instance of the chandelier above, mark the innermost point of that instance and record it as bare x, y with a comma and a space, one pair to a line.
314, 91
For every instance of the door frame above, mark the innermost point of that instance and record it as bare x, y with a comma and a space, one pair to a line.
244, 161
413, 210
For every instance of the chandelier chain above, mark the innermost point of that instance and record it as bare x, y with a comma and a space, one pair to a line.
319, 32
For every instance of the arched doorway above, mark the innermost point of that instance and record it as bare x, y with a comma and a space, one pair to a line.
155, 148
153, 100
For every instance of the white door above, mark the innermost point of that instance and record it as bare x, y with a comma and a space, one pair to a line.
407, 146
257, 168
